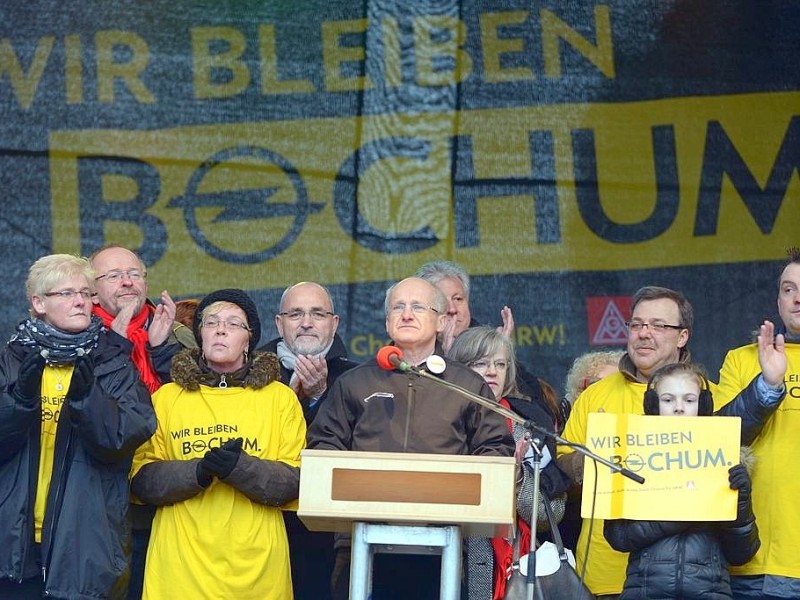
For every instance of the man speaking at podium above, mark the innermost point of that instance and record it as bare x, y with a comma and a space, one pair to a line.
373, 408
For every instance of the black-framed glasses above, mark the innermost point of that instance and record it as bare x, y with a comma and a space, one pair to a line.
216, 323
117, 275
70, 294
416, 308
656, 327
298, 315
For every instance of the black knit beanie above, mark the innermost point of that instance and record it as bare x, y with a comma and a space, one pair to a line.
240, 299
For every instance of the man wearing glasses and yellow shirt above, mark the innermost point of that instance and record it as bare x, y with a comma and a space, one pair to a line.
658, 334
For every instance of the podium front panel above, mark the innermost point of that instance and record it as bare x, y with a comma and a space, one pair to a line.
338, 488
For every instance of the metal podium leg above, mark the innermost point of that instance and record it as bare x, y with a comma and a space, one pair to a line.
360, 564
450, 586
369, 538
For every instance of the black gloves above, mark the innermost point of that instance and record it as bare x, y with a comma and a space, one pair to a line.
204, 473
82, 378
740, 480
219, 462
28, 387
222, 460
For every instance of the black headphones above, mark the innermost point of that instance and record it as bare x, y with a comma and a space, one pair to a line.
705, 402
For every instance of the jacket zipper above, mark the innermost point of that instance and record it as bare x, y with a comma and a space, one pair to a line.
35, 444
411, 395
681, 557
56, 506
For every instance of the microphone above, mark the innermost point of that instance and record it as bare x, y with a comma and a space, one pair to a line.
390, 358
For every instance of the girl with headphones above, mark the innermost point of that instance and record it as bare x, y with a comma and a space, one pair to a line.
684, 559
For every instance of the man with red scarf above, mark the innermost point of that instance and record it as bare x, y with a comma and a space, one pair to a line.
149, 333
121, 302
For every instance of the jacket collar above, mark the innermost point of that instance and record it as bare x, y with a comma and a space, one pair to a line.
190, 372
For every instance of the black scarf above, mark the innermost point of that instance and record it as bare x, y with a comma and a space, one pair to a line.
57, 346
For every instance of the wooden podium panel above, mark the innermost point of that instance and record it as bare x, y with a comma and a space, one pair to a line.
338, 488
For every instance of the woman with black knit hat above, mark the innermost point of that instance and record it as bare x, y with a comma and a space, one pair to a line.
225, 457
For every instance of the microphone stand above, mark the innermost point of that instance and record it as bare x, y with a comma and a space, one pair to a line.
528, 424
537, 455
530, 581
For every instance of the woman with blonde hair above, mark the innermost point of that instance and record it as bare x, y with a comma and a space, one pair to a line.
73, 412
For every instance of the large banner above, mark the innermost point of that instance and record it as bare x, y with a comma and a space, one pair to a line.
564, 154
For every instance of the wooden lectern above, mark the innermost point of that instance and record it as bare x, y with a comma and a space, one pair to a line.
403, 502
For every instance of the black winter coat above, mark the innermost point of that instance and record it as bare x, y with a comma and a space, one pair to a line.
86, 534
676, 559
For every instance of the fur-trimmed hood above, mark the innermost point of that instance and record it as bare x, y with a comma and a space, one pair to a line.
189, 371
747, 458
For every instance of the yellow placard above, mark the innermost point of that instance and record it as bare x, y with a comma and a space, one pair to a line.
684, 461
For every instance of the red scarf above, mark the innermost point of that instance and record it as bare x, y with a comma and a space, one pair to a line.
138, 336
503, 551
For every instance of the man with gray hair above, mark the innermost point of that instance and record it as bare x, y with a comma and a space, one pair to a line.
453, 281
312, 356
376, 410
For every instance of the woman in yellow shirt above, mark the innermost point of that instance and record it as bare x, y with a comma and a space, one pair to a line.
225, 457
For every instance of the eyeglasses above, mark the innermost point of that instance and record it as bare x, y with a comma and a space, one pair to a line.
215, 323
482, 365
116, 276
70, 294
416, 308
657, 327
299, 315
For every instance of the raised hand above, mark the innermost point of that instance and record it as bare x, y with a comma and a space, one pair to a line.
163, 320
123, 319
507, 328
448, 333
771, 355
312, 375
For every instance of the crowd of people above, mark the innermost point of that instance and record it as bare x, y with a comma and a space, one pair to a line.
151, 450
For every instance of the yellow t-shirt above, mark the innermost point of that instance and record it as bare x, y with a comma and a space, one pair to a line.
220, 544
55, 383
776, 474
605, 569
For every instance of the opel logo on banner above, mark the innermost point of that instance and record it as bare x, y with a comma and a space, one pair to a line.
245, 203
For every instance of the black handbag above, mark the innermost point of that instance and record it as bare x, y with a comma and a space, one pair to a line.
564, 584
